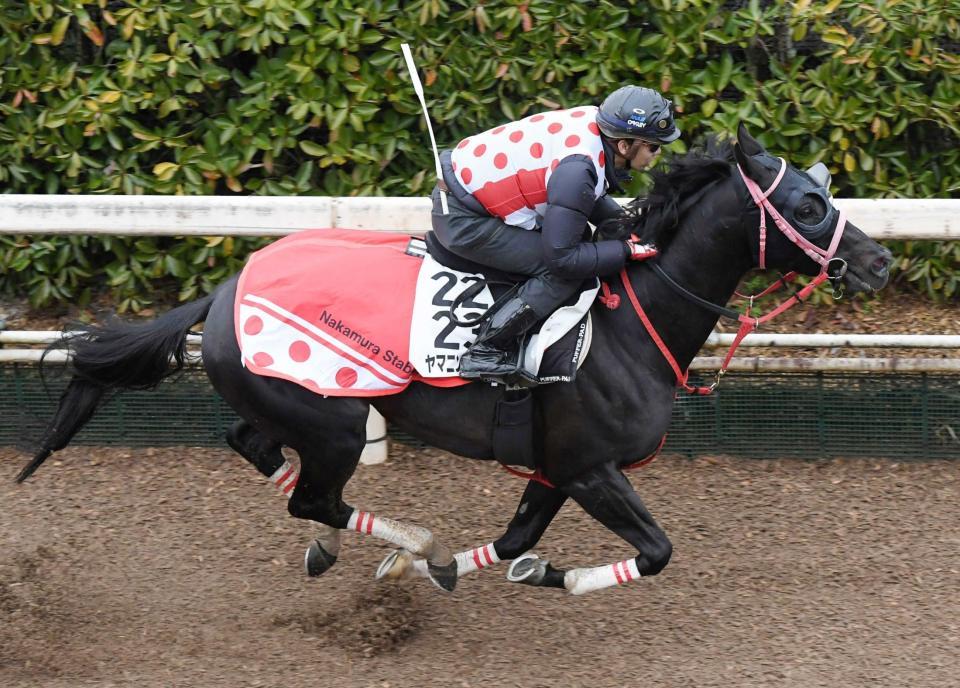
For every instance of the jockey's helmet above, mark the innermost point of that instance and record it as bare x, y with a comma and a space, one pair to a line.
635, 112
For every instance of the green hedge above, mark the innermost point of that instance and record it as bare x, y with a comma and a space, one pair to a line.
286, 97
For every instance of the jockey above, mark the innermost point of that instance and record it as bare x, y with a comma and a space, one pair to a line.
550, 173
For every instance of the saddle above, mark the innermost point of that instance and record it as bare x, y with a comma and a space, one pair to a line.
556, 346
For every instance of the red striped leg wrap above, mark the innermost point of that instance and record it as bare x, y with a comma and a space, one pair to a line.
579, 581
285, 478
476, 559
625, 571
362, 522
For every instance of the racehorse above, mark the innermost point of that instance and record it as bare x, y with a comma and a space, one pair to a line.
707, 214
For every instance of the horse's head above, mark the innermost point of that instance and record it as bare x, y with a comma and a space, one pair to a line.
810, 234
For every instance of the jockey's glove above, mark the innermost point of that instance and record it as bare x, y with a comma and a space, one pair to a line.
638, 251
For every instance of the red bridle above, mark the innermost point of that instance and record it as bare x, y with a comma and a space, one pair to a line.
747, 323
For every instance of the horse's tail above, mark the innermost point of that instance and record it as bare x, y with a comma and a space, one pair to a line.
114, 357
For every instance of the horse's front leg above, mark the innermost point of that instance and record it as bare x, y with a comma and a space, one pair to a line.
538, 506
605, 493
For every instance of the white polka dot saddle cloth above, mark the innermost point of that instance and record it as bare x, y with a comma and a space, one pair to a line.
356, 313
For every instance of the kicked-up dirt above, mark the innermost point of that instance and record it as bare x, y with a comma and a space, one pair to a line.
180, 567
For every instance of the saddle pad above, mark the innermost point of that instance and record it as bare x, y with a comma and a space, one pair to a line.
360, 313
560, 345
331, 311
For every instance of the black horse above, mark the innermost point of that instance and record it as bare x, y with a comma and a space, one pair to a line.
705, 222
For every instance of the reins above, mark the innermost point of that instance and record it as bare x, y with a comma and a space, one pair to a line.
825, 257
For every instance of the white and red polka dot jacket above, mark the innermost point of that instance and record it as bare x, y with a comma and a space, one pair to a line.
544, 172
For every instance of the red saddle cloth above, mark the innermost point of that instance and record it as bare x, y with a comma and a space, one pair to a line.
331, 310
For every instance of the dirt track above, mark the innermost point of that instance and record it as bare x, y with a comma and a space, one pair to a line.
181, 568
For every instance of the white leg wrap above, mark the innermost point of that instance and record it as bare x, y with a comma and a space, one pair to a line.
579, 581
285, 478
476, 559
415, 539
467, 562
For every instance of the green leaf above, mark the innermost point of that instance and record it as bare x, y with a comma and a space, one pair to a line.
59, 30
311, 148
164, 171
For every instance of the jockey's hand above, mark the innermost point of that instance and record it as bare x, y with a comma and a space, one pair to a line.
638, 251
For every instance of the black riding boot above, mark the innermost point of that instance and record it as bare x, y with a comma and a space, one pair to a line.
495, 354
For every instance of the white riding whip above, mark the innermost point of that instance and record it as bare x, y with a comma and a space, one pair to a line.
418, 87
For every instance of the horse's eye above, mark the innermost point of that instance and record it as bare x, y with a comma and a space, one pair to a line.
811, 210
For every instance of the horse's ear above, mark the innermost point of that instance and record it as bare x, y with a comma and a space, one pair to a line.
745, 148
748, 144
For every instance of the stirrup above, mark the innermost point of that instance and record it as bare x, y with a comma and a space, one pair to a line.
490, 364
483, 359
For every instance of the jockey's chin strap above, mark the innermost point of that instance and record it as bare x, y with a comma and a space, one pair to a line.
747, 323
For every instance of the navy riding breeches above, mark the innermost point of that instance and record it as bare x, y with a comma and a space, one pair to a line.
490, 241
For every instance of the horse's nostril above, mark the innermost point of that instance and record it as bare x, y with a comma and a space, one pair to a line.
881, 266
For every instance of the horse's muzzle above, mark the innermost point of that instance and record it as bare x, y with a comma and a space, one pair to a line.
869, 271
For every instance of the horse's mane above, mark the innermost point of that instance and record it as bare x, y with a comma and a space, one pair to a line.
654, 219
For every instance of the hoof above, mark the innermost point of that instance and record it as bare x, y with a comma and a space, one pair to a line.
528, 569
444, 577
317, 560
396, 565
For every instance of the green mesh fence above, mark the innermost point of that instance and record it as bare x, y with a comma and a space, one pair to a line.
809, 415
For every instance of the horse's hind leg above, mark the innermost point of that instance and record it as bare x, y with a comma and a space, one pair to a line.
267, 457
329, 434
319, 496
264, 453
327, 461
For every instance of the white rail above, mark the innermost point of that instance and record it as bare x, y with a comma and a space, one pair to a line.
899, 341
50, 336
751, 364
770, 364
279, 215
741, 364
